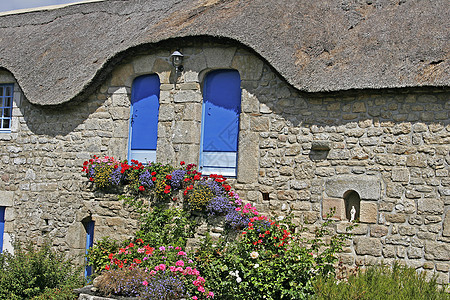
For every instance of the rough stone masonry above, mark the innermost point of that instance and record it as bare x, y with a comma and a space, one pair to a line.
299, 153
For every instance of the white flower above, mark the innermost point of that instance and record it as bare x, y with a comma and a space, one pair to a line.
238, 280
256, 266
254, 255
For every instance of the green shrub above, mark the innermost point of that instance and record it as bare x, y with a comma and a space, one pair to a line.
31, 272
98, 254
381, 282
268, 259
165, 226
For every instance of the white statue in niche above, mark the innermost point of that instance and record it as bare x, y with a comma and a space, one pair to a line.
352, 214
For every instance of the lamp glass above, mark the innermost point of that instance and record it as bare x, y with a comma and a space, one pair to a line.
177, 58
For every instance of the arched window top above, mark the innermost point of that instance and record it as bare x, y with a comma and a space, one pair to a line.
145, 86
223, 88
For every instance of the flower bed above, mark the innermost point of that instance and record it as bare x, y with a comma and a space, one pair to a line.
265, 257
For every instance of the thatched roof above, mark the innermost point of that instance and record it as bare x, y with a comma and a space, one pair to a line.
315, 45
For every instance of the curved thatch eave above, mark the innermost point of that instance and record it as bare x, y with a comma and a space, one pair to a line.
317, 46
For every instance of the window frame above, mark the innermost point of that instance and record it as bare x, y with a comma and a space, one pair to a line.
2, 226
229, 156
137, 154
3, 107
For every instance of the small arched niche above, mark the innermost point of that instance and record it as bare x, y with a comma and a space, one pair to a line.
352, 199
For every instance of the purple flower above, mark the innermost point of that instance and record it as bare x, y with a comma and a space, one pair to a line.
146, 179
236, 220
177, 178
116, 176
219, 205
215, 187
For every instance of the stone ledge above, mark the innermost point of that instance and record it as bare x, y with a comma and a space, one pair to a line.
368, 187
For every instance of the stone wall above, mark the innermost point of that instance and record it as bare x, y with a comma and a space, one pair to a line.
298, 153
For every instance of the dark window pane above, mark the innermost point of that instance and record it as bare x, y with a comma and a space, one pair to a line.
6, 123
8, 91
7, 112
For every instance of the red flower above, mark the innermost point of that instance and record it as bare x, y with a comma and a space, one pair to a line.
169, 177
153, 178
153, 173
167, 187
197, 177
166, 191
182, 163
141, 188
107, 267
110, 256
91, 179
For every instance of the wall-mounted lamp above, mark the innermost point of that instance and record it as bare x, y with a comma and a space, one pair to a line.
177, 60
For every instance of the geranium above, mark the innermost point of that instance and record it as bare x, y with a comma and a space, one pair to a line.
158, 263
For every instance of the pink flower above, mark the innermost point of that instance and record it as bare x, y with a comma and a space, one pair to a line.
210, 294
181, 253
145, 282
179, 263
161, 267
194, 298
201, 289
162, 248
201, 279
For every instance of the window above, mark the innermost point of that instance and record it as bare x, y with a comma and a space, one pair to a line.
220, 123
89, 227
144, 118
2, 226
6, 104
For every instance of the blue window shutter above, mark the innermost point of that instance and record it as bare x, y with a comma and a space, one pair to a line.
89, 226
2, 226
220, 122
144, 117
